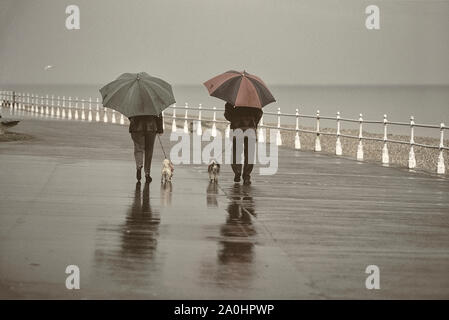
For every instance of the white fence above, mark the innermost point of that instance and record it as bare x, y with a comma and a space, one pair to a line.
93, 111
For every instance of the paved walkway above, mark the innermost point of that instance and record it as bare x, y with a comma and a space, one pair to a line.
69, 197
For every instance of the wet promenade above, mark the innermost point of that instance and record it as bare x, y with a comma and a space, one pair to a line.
69, 196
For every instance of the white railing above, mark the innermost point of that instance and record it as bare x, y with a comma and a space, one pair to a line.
89, 110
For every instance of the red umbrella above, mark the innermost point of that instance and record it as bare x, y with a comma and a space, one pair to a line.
241, 89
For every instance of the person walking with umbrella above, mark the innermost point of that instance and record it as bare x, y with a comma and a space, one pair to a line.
245, 95
143, 130
141, 98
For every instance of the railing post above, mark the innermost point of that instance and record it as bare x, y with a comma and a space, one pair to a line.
18, 100
214, 124
173, 125
122, 121
278, 132
199, 129
105, 114
58, 105
28, 101
13, 100
63, 107
360, 146
261, 138
42, 111
113, 118
297, 139
317, 139
52, 110
411, 155
441, 168
76, 108
338, 148
89, 114
31, 104
11, 104
385, 156
83, 112
186, 124
69, 110
47, 110
97, 112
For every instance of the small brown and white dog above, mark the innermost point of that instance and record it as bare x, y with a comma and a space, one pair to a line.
214, 171
167, 171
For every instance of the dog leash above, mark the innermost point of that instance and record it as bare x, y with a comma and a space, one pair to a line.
160, 142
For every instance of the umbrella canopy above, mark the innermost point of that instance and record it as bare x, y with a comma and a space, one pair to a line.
137, 94
241, 89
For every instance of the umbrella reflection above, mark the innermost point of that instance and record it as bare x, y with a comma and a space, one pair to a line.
126, 251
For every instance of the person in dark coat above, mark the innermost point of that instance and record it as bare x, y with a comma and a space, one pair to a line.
143, 131
244, 118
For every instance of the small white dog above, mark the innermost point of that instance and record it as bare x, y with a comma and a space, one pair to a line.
167, 171
214, 171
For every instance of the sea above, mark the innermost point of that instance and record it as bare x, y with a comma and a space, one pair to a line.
428, 104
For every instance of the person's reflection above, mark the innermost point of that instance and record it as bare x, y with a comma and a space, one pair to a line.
212, 191
126, 252
236, 247
141, 226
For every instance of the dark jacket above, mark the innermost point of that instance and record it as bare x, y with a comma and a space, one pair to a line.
146, 124
242, 117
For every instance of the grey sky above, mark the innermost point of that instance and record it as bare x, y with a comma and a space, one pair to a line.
189, 41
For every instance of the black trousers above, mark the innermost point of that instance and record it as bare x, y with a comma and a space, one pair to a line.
247, 167
143, 144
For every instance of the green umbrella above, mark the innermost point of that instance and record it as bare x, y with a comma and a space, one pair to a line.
137, 94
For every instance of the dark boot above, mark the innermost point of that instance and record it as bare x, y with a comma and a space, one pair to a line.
237, 168
247, 181
148, 178
139, 174
237, 177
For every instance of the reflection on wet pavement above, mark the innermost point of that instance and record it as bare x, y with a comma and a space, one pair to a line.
316, 227
236, 247
166, 194
212, 191
132, 255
